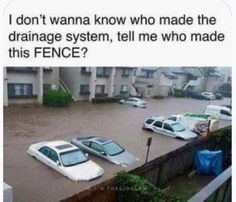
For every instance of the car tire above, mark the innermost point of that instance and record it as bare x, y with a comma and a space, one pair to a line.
135, 106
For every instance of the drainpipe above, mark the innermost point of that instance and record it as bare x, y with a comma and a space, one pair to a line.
92, 83
111, 83
40, 87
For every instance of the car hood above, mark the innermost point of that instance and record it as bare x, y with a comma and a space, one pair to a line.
187, 134
123, 158
84, 171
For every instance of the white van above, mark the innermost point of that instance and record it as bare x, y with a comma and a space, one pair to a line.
220, 112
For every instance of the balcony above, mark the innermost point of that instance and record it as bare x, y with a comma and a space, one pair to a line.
22, 70
84, 93
218, 189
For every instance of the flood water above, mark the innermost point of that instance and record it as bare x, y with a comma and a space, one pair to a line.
24, 125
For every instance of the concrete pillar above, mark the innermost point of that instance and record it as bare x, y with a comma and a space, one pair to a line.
111, 83
7, 193
40, 85
5, 89
92, 83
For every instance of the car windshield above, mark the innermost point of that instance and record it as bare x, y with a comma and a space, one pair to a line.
73, 157
113, 148
178, 127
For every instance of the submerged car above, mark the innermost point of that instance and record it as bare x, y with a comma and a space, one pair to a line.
167, 127
67, 159
198, 95
208, 95
133, 101
105, 148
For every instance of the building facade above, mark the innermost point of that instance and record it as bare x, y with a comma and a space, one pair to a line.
86, 83
24, 85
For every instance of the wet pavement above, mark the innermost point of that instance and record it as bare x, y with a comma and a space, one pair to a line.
24, 125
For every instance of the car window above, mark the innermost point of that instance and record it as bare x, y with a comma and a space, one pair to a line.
172, 118
86, 143
168, 127
96, 147
45, 151
158, 124
149, 121
178, 127
53, 156
113, 148
224, 112
73, 157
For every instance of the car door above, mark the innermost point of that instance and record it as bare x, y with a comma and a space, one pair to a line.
52, 160
97, 150
157, 127
43, 155
168, 130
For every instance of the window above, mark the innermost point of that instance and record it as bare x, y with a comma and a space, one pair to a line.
86, 70
168, 127
53, 156
178, 127
100, 89
113, 148
86, 143
123, 88
158, 124
19, 90
73, 157
149, 121
102, 72
45, 151
224, 112
84, 89
125, 72
96, 147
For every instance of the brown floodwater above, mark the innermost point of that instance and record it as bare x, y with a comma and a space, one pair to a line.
24, 125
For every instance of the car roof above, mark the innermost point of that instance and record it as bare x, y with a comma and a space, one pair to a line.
161, 118
98, 139
218, 107
60, 146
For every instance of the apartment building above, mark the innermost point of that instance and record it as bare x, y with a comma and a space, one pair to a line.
86, 83
23, 85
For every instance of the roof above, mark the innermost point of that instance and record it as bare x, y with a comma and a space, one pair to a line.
60, 146
193, 71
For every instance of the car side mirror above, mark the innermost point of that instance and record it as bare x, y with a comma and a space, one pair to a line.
58, 163
103, 153
86, 154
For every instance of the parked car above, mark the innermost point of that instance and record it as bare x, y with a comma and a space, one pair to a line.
220, 112
133, 101
105, 148
171, 128
67, 159
208, 95
198, 95
218, 96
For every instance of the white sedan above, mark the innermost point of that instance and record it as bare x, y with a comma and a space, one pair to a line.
133, 101
67, 159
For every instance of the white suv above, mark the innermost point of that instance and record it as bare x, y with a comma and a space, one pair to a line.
168, 127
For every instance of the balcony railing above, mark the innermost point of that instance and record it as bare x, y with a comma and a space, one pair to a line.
22, 70
218, 190
100, 95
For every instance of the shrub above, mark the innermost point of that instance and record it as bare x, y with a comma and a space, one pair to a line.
158, 96
223, 141
107, 99
179, 92
134, 188
54, 98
